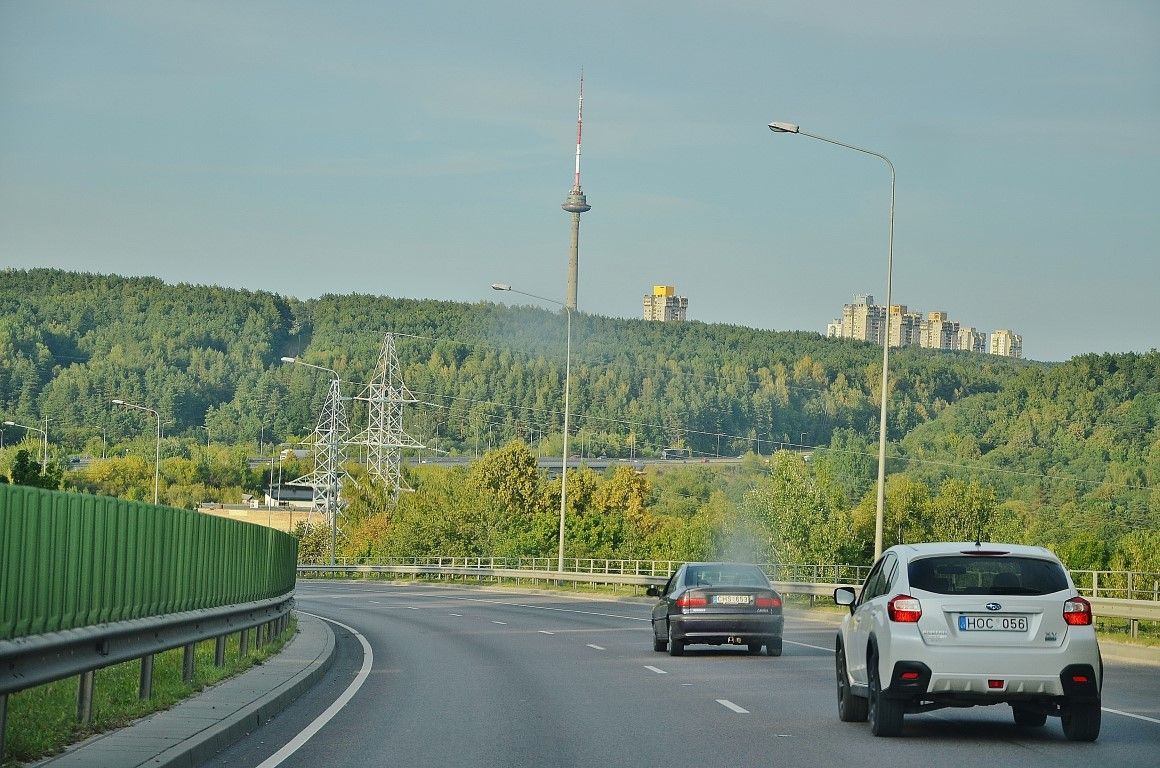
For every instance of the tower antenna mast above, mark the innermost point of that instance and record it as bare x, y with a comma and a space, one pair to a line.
576, 204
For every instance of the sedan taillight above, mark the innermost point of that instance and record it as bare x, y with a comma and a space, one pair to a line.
692, 601
1077, 612
904, 609
767, 602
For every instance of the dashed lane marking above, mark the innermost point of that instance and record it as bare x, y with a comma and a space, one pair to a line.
1130, 714
730, 705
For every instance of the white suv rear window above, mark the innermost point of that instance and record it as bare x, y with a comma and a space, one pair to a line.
990, 575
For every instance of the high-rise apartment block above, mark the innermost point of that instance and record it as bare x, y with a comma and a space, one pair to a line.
863, 320
972, 340
664, 305
866, 321
905, 327
1006, 343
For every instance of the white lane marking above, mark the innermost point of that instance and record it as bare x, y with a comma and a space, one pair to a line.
807, 645
1130, 714
730, 705
308, 732
455, 614
547, 608
597, 647
654, 669
493, 621
373, 602
413, 608
546, 632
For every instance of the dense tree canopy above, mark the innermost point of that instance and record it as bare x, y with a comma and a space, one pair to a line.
1066, 455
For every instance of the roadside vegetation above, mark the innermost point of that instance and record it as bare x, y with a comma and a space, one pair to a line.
43, 720
1064, 455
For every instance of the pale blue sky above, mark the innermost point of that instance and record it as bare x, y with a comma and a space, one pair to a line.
423, 150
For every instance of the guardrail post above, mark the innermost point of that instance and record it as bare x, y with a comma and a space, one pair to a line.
3, 721
85, 698
145, 682
1095, 583
219, 651
187, 663
244, 643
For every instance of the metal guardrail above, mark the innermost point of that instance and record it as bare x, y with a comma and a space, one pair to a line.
37, 659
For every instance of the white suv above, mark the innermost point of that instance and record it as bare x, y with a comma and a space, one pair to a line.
960, 625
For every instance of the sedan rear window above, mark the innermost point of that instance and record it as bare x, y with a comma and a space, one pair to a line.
725, 576
1005, 575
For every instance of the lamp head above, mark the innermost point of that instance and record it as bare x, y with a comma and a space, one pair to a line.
500, 287
783, 127
10, 423
118, 402
289, 359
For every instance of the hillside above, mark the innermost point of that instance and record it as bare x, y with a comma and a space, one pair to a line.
207, 356
1065, 455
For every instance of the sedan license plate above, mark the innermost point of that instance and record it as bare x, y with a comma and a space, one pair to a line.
984, 623
732, 599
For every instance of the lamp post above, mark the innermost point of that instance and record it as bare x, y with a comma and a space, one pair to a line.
331, 501
881, 503
157, 449
567, 387
44, 444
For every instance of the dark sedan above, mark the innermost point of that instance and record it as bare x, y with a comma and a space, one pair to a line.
716, 604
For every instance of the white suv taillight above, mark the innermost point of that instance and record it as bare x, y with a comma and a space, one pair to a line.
1077, 612
904, 609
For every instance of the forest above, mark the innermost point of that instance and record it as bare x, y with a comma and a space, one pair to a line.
1064, 455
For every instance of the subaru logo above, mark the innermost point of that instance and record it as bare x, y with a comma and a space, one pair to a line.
993, 606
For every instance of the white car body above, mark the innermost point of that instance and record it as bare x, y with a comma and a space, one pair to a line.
965, 624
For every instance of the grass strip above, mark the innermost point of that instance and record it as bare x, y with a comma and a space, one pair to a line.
42, 721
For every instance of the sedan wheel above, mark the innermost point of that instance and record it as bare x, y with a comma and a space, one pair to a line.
676, 647
660, 644
773, 647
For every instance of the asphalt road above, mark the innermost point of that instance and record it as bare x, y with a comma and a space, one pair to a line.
468, 677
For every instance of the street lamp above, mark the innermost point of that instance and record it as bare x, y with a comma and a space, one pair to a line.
44, 448
881, 504
331, 501
157, 449
567, 387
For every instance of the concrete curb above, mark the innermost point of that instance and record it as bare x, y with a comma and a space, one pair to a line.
196, 729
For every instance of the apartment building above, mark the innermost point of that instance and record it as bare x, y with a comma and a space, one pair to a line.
866, 321
664, 305
1006, 343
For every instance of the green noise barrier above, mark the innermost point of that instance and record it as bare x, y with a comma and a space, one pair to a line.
71, 560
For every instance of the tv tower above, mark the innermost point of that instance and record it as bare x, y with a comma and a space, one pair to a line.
576, 204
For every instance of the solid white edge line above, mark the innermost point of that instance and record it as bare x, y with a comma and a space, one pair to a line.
597, 647
1129, 714
308, 732
730, 705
